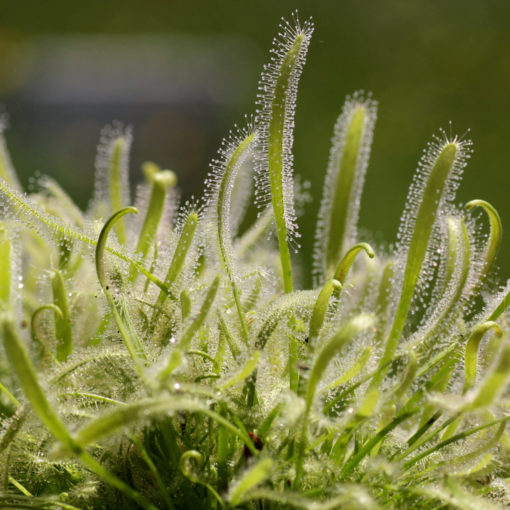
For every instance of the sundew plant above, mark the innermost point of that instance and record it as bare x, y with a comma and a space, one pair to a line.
155, 355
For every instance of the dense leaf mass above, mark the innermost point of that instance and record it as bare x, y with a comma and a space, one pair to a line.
158, 356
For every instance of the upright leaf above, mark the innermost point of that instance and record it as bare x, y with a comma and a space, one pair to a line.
221, 181
112, 179
431, 193
348, 161
6, 169
275, 120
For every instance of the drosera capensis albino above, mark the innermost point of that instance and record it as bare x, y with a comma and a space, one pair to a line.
167, 359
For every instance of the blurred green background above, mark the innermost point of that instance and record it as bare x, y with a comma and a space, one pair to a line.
182, 72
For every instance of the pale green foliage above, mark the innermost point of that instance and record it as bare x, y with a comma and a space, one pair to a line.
153, 357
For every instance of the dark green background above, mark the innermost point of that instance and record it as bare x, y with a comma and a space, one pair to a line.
427, 63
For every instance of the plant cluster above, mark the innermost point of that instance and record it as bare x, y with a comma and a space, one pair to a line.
159, 356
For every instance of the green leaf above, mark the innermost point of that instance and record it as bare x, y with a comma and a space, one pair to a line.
333, 347
179, 257
37, 220
227, 335
185, 463
354, 370
7, 172
245, 372
118, 305
345, 264
494, 239
283, 307
453, 439
199, 320
277, 100
471, 352
374, 441
25, 371
161, 182
234, 153
452, 297
348, 161
494, 382
5, 267
253, 477
255, 234
320, 309
142, 410
36, 329
439, 172
63, 328
112, 179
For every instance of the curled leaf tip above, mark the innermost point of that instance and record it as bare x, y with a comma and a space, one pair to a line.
343, 268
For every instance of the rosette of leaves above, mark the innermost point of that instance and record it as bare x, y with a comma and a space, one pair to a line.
154, 357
